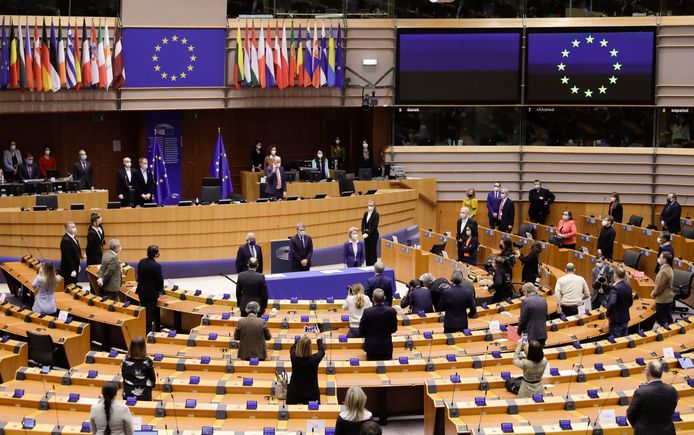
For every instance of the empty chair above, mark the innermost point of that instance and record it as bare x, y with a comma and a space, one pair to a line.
210, 194
50, 201
41, 350
635, 220
527, 228
682, 289
347, 184
631, 259
688, 232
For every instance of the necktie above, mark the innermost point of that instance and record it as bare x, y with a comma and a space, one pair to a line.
144, 175
84, 166
279, 181
253, 251
302, 242
501, 209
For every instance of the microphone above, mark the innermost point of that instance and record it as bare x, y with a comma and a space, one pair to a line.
173, 403
55, 400
479, 423
454, 385
431, 342
595, 422
483, 385
568, 389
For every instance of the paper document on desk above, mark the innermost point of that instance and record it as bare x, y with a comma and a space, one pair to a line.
367, 268
330, 271
275, 275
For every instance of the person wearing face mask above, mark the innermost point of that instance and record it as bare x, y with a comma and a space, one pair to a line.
471, 203
143, 183
70, 254
47, 162
250, 249
109, 277
540, 199
270, 160
566, 229
150, 285
336, 150
606, 238
82, 172
602, 277
369, 229
251, 287
11, 159
664, 246
493, 202
507, 212
257, 156
670, 216
615, 209
467, 249
321, 163
276, 182
95, 240
353, 249
365, 160
28, 170
301, 249
464, 222
46, 281
124, 181
662, 291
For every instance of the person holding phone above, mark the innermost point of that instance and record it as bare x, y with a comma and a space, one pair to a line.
303, 385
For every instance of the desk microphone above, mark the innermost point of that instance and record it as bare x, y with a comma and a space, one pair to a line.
484, 365
568, 389
227, 277
173, 402
431, 342
479, 423
454, 385
595, 422
55, 400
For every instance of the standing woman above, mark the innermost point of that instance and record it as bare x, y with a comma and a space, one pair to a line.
615, 209
531, 263
471, 203
533, 366
566, 229
321, 163
303, 385
270, 160
467, 251
137, 370
502, 287
369, 228
353, 249
95, 240
46, 281
355, 304
353, 413
108, 417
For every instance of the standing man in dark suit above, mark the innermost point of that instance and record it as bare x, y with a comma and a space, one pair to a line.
651, 408
380, 281
276, 182
377, 325
124, 181
95, 240
251, 286
369, 230
251, 333
150, 285
540, 199
301, 249
82, 171
670, 216
507, 212
618, 304
464, 221
533, 318
70, 254
143, 183
458, 302
493, 201
28, 170
606, 238
664, 245
249, 250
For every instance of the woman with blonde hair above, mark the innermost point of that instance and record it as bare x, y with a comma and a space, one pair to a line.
353, 249
137, 370
46, 281
471, 203
355, 303
303, 385
353, 413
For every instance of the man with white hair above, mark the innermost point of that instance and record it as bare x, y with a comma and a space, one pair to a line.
110, 271
653, 404
465, 221
250, 249
276, 182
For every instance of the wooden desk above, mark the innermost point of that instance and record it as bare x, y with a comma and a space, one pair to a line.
90, 199
128, 274
13, 355
407, 262
249, 184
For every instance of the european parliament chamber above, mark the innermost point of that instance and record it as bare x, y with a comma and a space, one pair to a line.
346, 217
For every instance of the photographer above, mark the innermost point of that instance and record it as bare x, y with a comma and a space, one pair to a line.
418, 298
602, 279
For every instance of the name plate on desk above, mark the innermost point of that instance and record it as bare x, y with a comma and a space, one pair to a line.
585, 238
489, 232
442, 238
645, 253
677, 263
427, 234
687, 221
549, 230
647, 232
626, 228
389, 244
505, 236
578, 255
590, 220
438, 259
405, 249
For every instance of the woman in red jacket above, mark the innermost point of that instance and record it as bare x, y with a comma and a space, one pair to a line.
566, 229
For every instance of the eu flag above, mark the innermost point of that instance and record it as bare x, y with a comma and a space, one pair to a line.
172, 58
220, 167
161, 180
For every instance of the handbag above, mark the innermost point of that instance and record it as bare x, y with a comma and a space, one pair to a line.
556, 240
280, 386
513, 384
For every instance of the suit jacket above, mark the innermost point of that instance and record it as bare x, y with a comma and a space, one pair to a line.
84, 176
619, 302
508, 215
251, 333
141, 187
95, 245
370, 227
533, 318
458, 302
537, 198
150, 281
651, 408
348, 254
299, 251
271, 183
671, 215
123, 184
493, 201
419, 299
244, 254
460, 232
382, 282
322, 165
251, 286
26, 172
110, 272
70, 255
7, 160
664, 248
663, 292
616, 211
606, 241
377, 325
531, 267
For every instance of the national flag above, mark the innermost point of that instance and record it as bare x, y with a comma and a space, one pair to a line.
45, 61
247, 59
308, 59
27, 60
323, 56
70, 70
285, 57
53, 61
38, 80
237, 74
262, 72
158, 165
292, 59
269, 60
255, 69
339, 69
86, 58
78, 58
331, 58
118, 61
4, 58
14, 64
94, 64
21, 60
279, 73
61, 56
107, 56
300, 60
219, 168
315, 77
101, 61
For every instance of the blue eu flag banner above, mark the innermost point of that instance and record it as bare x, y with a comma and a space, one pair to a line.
158, 166
220, 167
172, 58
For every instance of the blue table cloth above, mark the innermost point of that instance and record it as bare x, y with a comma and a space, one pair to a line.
319, 284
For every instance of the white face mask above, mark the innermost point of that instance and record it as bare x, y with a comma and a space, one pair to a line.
612, 198
365, 145
503, 195
565, 217
320, 155
371, 208
144, 166
83, 156
337, 142
258, 146
468, 233
660, 241
353, 237
537, 186
605, 223
73, 231
661, 261
273, 152
47, 152
302, 233
128, 165
496, 189
463, 216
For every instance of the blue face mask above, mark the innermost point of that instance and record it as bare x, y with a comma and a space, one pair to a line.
251, 242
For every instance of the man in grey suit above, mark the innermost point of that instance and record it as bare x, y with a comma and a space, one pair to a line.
251, 333
533, 318
110, 271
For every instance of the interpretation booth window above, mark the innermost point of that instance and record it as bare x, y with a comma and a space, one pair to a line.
66, 8
674, 127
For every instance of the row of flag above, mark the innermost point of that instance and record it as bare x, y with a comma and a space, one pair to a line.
310, 60
51, 64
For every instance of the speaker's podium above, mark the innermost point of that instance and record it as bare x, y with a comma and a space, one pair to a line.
281, 262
